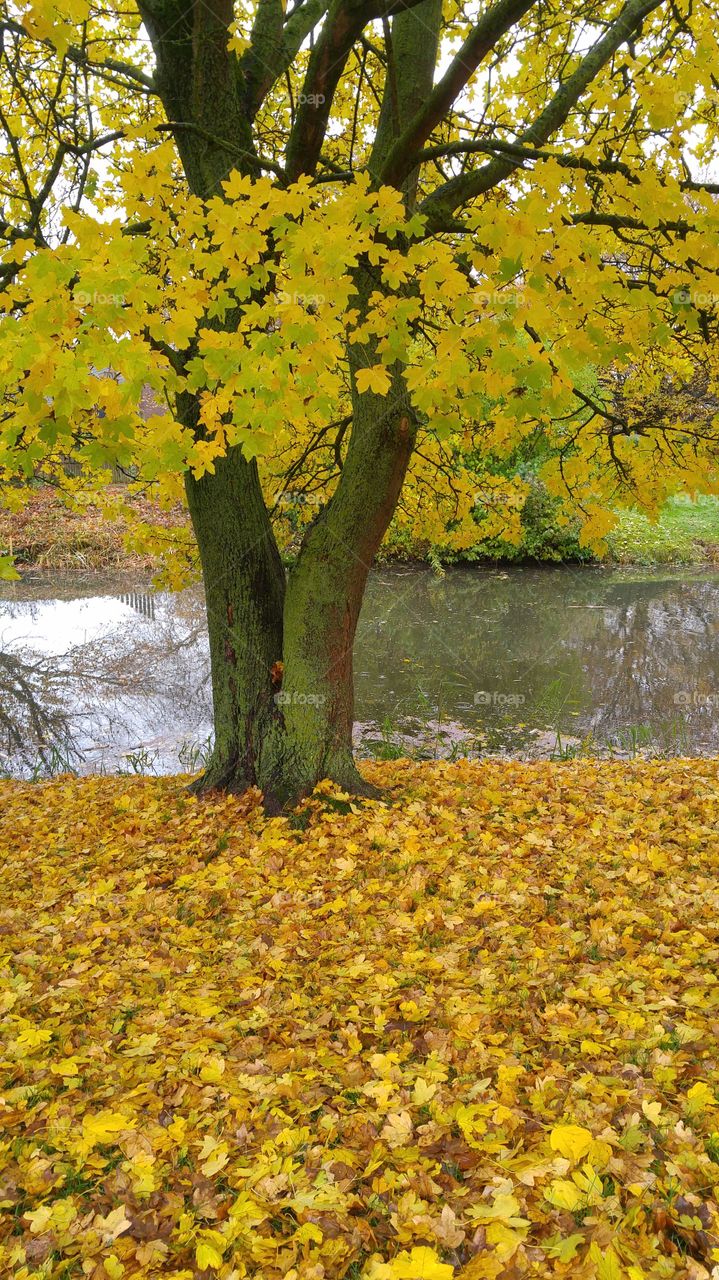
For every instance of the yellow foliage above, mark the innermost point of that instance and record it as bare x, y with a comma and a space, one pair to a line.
212, 1061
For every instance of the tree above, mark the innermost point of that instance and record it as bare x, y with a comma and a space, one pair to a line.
341, 240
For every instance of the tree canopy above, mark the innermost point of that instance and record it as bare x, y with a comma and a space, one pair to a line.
540, 210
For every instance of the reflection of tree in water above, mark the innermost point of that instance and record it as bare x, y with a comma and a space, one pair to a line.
33, 725
129, 689
589, 652
654, 661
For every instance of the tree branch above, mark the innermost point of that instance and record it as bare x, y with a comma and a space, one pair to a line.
490, 28
345, 22
274, 45
458, 191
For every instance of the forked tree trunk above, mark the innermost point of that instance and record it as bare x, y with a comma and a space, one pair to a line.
281, 655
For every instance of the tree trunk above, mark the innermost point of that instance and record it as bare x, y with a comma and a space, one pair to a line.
244, 591
325, 591
281, 657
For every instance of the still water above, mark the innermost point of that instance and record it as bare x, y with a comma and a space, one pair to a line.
106, 675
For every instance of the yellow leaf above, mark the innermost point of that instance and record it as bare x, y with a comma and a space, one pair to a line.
571, 1141
503, 1206
66, 1067
599, 1154
505, 1240
213, 1070
113, 1225
423, 1091
607, 1262
216, 1161
564, 1194
398, 1129
420, 1264
39, 1218
207, 1254
104, 1126
374, 379
591, 1048
307, 1232
700, 1096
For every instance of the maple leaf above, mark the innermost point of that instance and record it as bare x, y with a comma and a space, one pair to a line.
570, 1140
375, 379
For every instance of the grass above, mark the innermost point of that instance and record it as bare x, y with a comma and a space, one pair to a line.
686, 533
47, 537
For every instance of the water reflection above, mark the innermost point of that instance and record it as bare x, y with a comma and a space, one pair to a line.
129, 671
527, 661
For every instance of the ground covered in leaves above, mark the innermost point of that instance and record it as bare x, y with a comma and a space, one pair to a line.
468, 1031
45, 536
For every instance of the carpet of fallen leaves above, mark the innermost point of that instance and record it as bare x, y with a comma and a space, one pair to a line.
470, 1030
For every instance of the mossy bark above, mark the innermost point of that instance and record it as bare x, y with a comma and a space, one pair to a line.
281, 654
244, 584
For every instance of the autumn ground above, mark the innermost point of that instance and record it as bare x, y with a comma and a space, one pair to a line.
467, 1031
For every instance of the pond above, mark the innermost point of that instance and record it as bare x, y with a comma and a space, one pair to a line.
106, 675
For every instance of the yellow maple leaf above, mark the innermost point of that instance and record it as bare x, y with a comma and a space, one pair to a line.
374, 379
570, 1140
209, 1250
421, 1263
212, 1070
700, 1096
66, 1067
104, 1126
423, 1091
564, 1194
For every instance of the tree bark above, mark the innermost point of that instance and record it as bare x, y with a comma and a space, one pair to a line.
281, 656
324, 597
244, 584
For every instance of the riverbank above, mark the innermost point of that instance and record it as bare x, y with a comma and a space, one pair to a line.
686, 534
45, 537
466, 1031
